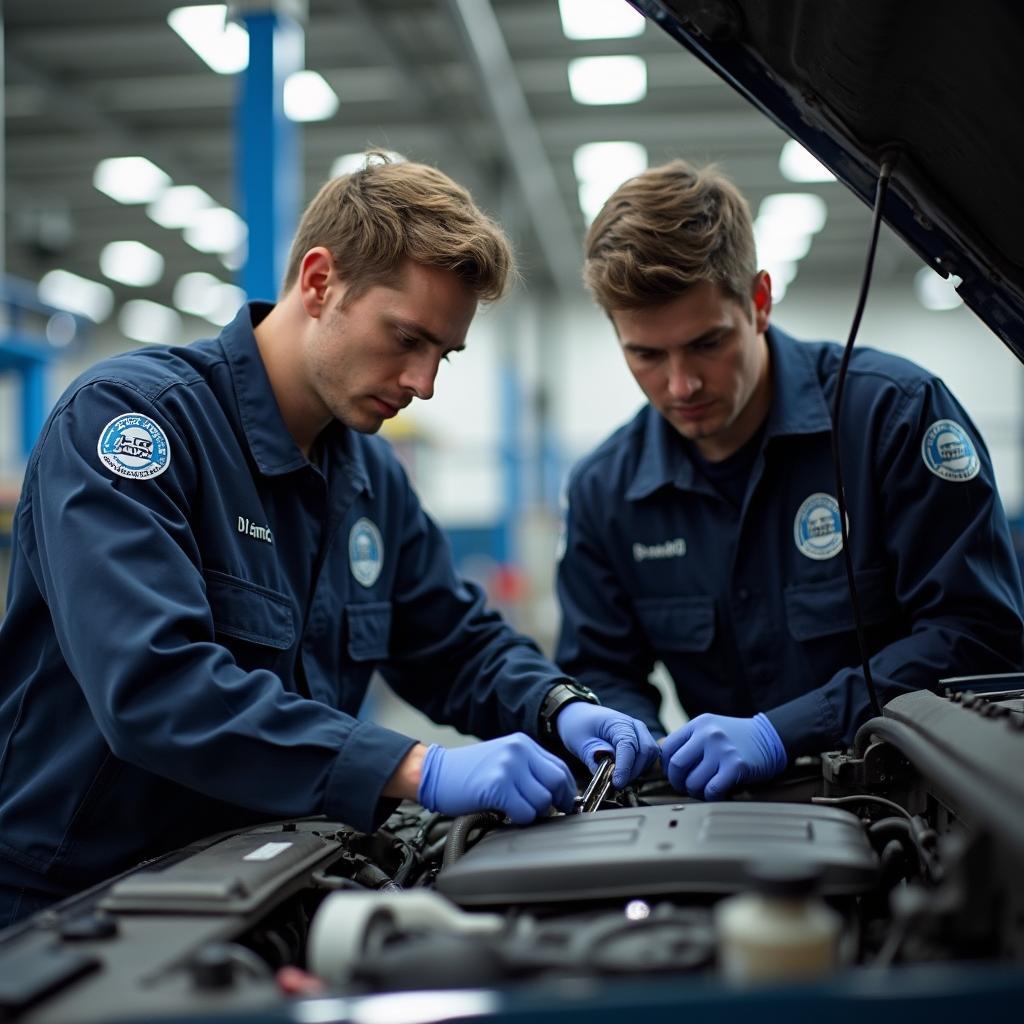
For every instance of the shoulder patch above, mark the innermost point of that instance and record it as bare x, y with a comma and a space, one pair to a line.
365, 551
134, 446
949, 452
816, 528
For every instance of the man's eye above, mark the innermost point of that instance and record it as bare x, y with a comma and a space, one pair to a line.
407, 340
707, 345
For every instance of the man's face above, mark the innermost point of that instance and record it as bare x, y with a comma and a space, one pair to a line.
370, 357
702, 361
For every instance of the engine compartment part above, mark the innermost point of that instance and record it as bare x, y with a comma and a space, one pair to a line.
678, 849
906, 849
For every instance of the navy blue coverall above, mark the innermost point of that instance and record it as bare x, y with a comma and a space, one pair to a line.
748, 607
195, 611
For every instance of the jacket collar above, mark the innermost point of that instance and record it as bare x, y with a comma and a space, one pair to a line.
798, 407
273, 448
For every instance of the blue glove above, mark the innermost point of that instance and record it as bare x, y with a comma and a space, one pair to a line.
712, 753
512, 774
586, 729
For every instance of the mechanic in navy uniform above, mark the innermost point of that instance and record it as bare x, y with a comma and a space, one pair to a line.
211, 557
705, 532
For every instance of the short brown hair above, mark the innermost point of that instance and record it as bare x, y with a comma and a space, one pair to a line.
666, 229
376, 218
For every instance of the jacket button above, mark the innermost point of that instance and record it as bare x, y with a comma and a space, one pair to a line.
743, 594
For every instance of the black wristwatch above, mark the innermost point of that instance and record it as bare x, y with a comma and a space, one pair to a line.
558, 696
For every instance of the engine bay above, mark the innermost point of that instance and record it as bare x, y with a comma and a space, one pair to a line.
912, 842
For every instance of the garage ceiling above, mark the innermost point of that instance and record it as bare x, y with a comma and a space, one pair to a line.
86, 81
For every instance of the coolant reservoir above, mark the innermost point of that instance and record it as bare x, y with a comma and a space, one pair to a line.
781, 930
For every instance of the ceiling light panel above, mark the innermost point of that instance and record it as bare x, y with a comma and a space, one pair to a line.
219, 230
142, 320
936, 292
795, 212
606, 80
130, 179
131, 263
308, 97
76, 294
223, 45
179, 206
797, 164
599, 19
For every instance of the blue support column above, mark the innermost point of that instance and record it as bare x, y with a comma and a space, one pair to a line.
34, 404
268, 158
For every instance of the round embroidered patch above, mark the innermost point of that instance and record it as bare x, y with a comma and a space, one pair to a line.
365, 552
816, 528
949, 452
134, 446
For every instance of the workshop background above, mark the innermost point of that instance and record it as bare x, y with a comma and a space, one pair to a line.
155, 159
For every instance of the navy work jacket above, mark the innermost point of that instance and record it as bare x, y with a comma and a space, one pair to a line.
190, 632
748, 608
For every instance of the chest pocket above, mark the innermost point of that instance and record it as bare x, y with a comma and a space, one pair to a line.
815, 610
369, 630
678, 623
247, 611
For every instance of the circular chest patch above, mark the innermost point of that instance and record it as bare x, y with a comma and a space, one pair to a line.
365, 552
949, 452
134, 446
816, 529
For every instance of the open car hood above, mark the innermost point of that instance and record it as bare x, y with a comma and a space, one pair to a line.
936, 82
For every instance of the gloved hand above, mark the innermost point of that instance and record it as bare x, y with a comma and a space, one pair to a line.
712, 753
512, 774
586, 729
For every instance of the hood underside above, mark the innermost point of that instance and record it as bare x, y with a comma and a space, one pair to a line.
937, 85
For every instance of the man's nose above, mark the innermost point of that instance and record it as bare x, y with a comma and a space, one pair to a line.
418, 376
682, 382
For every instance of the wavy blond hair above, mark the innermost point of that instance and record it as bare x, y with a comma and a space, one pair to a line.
666, 229
376, 218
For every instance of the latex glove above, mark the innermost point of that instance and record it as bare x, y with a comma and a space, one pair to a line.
586, 729
512, 774
712, 753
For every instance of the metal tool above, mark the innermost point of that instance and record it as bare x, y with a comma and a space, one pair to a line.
600, 783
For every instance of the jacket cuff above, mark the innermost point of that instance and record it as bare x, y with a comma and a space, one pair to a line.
806, 725
361, 770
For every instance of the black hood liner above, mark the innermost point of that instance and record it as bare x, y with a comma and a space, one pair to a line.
939, 83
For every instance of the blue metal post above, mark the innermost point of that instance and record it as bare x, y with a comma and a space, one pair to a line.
34, 405
268, 160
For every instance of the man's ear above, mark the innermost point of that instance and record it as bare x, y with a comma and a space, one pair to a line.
317, 280
761, 294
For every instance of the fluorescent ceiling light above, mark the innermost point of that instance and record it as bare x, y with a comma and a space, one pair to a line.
599, 19
609, 161
142, 320
178, 206
235, 259
782, 273
601, 167
207, 296
222, 44
68, 291
795, 212
798, 164
936, 292
131, 263
218, 230
776, 242
592, 196
594, 80
195, 293
130, 179
308, 97
349, 163
227, 298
